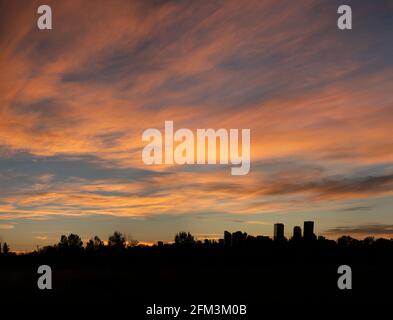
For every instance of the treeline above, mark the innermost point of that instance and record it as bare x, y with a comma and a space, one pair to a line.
238, 240
74, 243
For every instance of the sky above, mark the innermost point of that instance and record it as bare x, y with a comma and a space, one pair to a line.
75, 100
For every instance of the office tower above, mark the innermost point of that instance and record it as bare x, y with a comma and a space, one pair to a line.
308, 230
279, 232
297, 233
227, 239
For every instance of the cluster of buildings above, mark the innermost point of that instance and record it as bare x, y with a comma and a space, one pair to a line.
236, 238
308, 231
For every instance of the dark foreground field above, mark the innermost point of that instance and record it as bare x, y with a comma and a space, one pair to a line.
261, 278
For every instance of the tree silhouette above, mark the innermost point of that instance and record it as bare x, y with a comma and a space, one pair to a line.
130, 241
368, 241
117, 240
71, 243
184, 239
94, 244
6, 248
74, 241
347, 241
63, 243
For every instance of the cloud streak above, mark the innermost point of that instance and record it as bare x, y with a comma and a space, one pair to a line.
381, 230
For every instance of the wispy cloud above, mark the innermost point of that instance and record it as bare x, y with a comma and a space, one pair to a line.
41, 237
6, 226
385, 230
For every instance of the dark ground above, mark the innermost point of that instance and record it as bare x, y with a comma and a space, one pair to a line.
263, 278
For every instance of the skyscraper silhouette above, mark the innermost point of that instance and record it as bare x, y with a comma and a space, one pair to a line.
297, 233
279, 232
227, 239
308, 230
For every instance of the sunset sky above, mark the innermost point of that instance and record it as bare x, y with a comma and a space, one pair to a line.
75, 100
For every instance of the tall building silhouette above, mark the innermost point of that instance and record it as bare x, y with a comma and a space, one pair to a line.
279, 231
297, 233
308, 230
227, 239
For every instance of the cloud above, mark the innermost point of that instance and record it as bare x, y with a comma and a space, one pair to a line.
210, 236
384, 230
337, 187
41, 237
203, 60
357, 208
84, 187
257, 222
6, 226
